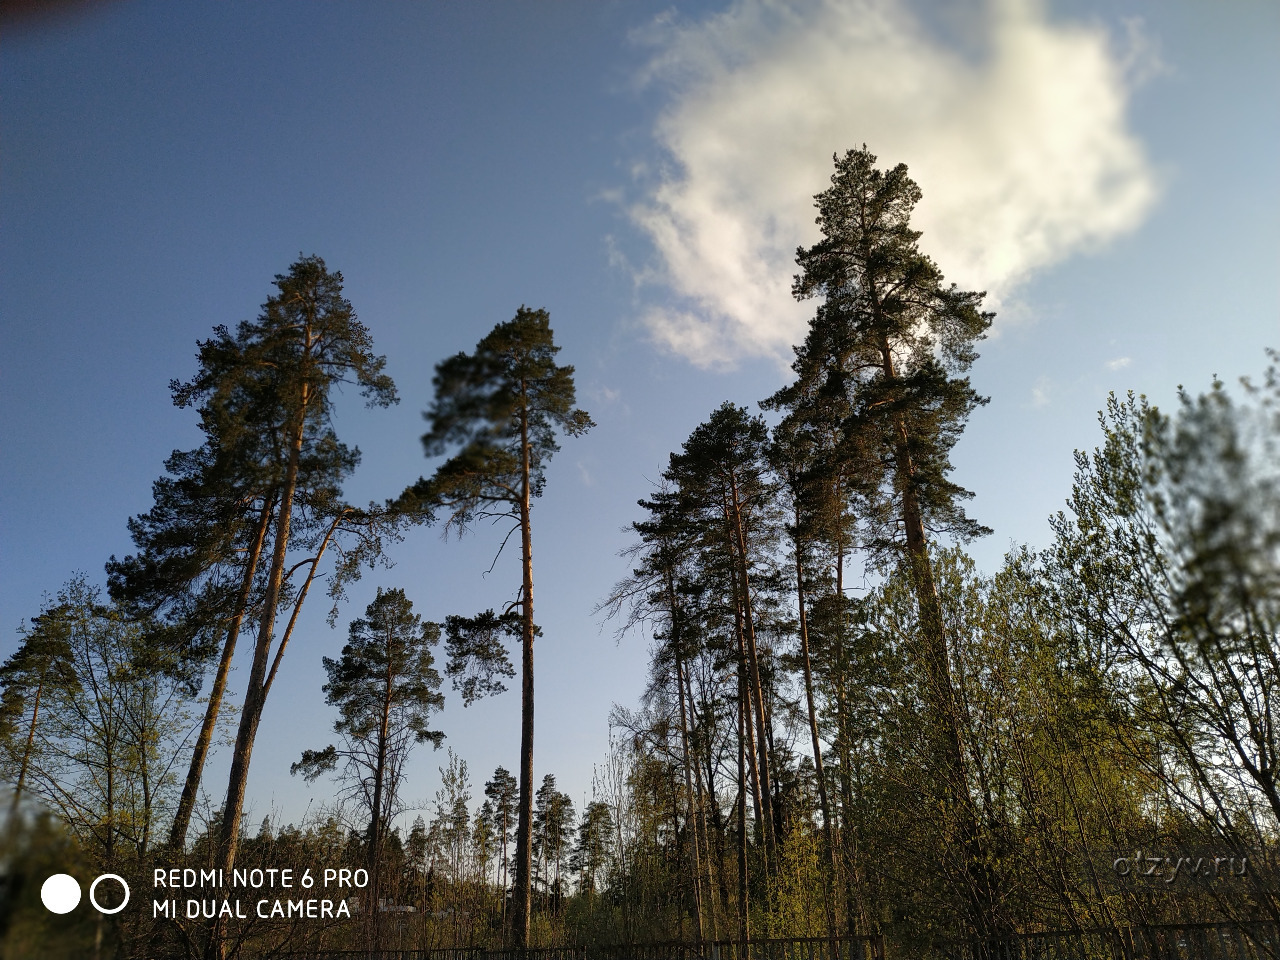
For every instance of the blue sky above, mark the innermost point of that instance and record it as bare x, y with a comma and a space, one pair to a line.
1109, 172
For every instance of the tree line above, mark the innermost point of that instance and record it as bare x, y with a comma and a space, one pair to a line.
848, 730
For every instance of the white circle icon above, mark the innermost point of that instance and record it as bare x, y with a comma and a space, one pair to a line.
93, 889
60, 893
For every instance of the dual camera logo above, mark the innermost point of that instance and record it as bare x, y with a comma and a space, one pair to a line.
61, 893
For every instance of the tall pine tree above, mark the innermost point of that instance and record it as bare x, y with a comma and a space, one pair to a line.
275, 375
890, 343
501, 408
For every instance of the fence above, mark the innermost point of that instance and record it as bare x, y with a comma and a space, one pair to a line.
1199, 941
793, 948
1196, 941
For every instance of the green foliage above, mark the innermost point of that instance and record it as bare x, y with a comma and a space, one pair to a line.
386, 688
101, 744
477, 654
985, 749
1169, 564
449, 835
506, 400
882, 352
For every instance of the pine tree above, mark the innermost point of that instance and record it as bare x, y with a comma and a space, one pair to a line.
889, 342
795, 458
552, 828
275, 375
502, 406
501, 792
199, 548
723, 467
386, 687
41, 666
593, 845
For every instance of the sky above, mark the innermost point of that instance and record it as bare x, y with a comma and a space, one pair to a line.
1109, 172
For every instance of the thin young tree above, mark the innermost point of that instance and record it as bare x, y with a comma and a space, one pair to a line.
656, 594
386, 687
501, 408
103, 735
501, 792
1169, 562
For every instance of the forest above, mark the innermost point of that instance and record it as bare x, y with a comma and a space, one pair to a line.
848, 730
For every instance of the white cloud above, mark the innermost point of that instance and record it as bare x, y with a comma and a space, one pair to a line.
1018, 142
1119, 363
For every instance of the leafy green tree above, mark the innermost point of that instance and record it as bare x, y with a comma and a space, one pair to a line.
386, 689
451, 825
101, 744
501, 407
1169, 561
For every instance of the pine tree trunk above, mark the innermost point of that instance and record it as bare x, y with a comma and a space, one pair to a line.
943, 712
827, 838
753, 665
716, 904
744, 694
506, 829
26, 753
744, 923
523, 894
376, 826
251, 713
182, 818
692, 829
848, 828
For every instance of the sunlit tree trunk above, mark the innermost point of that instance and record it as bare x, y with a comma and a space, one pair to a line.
522, 894
195, 771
